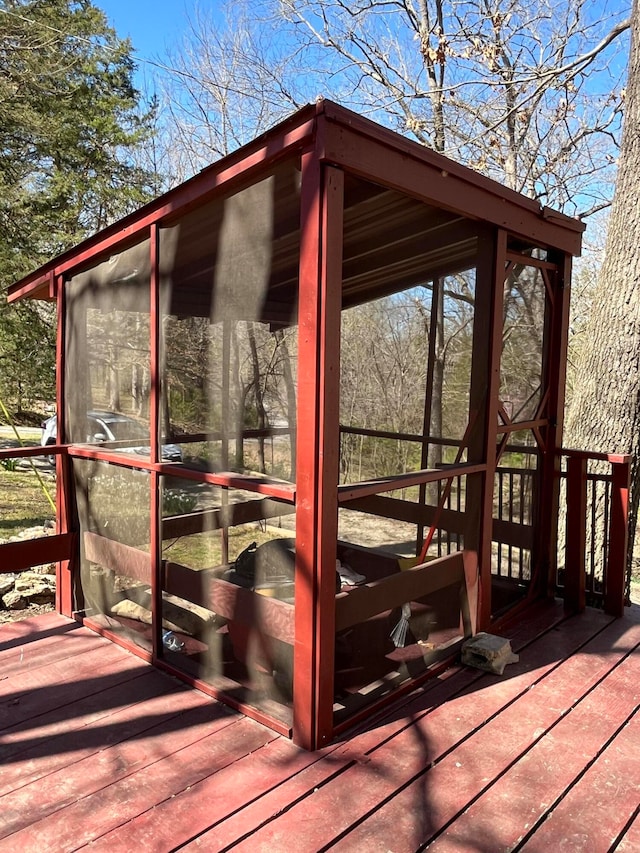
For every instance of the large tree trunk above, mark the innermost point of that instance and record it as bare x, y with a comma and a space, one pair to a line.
604, 414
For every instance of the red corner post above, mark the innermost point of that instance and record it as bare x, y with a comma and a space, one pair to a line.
317, 450
64, 474
615, 569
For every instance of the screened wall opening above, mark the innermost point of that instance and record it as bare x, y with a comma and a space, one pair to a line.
228, 591
406, 349
229, 304
108, 367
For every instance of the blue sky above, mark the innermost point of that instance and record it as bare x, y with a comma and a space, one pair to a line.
152, 25
155, 27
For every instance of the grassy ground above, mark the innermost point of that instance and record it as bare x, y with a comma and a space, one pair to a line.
203, 550
23, 503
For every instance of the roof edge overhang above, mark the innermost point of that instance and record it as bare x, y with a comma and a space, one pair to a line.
294, 133
344, 139
443, 183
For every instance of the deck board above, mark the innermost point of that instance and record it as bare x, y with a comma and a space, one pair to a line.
100, 751
533, 788
462, 744
630, 840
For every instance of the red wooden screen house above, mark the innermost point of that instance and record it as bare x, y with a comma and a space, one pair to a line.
309, 423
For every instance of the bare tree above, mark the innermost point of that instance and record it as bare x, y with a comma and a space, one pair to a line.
230, 82
528, 93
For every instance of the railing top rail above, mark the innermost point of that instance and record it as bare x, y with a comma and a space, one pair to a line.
613, 458
28, 450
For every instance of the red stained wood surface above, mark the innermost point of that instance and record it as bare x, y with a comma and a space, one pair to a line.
630, 841
33, 629
265, 615
17, 556
530, 795
608, 792
436, 739
102, 749
31, 752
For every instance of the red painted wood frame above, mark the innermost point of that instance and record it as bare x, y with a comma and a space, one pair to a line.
490, 285
155, 515
618, 535
64, 474
317, 450
574, 577
551, 463
330, 140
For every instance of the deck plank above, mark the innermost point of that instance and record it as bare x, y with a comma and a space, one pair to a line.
182, 820
113, 754
597, 808
520, 801
99, 721
63, 682
371, 771
127, 779
630, 841
427, 806
34, 629
185, 817
23, 656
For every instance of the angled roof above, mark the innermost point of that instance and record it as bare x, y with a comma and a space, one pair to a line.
361, 148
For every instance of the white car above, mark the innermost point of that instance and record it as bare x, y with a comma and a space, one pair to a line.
111, 426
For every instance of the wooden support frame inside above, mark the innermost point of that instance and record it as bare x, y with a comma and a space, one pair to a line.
262, 256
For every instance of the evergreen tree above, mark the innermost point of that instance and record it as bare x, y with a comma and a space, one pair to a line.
70, 124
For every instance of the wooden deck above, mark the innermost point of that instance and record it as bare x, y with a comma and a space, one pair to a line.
99, 750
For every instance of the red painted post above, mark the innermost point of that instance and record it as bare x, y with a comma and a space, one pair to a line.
499, 250
575, 550
64, 478
155, 519
329, 460
546, 552
317, 451
306, 455
615, 569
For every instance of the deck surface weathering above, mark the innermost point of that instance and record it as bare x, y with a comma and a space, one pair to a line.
100, 751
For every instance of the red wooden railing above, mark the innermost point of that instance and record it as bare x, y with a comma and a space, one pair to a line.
593, 560
24, 554
592, 556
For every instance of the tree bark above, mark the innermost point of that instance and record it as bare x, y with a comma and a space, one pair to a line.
604, 414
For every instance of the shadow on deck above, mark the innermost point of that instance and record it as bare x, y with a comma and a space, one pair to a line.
98, 748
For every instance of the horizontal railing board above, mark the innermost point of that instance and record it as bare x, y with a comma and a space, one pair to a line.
19, 556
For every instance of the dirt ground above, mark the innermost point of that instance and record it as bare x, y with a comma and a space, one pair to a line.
26, 613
